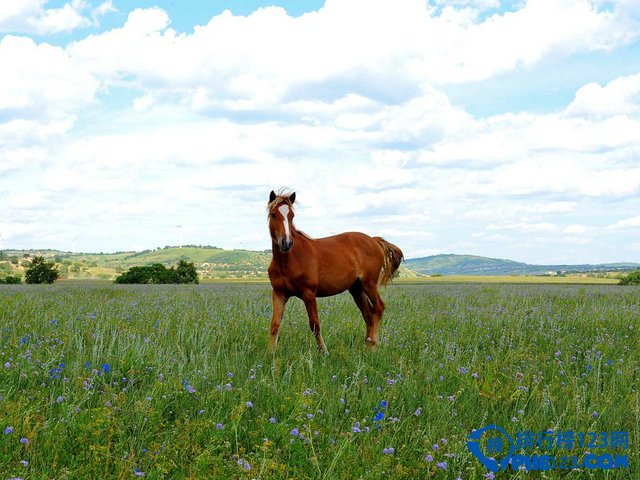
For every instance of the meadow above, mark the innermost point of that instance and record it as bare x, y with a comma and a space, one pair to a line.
101, 381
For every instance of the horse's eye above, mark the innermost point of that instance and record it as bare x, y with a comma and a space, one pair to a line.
273, 215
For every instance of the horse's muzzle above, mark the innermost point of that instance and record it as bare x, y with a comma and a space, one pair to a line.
285, 245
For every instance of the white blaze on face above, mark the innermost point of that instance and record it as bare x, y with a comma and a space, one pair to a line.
284, 210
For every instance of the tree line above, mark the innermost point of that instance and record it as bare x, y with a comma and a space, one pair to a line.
41, 271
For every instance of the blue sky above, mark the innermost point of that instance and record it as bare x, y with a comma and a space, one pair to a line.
505, 129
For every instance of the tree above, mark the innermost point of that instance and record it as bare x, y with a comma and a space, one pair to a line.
41, 271
632, 278
185, 272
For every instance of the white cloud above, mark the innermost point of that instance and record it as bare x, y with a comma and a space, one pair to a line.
394, 50
619, 97
32, 16
526, 227
143, 103
576, 229
626, 223
41, 80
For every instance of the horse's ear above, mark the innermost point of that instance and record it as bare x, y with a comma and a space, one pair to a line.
272, 196
292, 197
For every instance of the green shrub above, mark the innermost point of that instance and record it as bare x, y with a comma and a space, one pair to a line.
11, 280
632, 278
184, 272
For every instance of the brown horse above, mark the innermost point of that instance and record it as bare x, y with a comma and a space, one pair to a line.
306, 268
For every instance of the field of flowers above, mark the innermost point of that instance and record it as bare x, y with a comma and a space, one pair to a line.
108, 381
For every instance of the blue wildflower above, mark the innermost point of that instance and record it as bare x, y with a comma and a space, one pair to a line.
106, 368
8, 430
188, 387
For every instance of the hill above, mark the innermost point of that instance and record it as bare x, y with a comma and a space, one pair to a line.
476, 265
211, 262
217, 263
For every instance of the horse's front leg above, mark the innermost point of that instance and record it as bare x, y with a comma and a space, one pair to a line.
279, 301
314, 322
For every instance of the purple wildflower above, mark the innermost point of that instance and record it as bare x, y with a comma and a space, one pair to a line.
249, 404
219, 426
188, 387
273, 420
8, 430
389, 451
442, 465
429, 457
462, 370
24, 441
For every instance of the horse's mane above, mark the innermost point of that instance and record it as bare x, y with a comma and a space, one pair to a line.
282, 195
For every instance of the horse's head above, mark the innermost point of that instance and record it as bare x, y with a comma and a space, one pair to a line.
281, 220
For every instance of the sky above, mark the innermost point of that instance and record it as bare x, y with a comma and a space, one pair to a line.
507, 129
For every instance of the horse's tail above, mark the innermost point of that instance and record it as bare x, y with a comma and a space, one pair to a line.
393, 256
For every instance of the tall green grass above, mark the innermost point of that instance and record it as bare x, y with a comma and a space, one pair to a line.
107, 381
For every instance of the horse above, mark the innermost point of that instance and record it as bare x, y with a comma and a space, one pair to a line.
308, 268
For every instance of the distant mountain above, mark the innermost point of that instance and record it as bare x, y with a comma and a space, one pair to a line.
476, 265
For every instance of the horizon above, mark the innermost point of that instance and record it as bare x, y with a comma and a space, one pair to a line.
507, 128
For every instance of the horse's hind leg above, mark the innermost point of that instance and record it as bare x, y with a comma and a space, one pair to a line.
376, 308
364, 305
314, 322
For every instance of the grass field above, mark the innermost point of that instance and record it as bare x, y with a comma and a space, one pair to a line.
104, 381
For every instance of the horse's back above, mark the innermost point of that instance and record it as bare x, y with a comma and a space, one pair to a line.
345, 258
